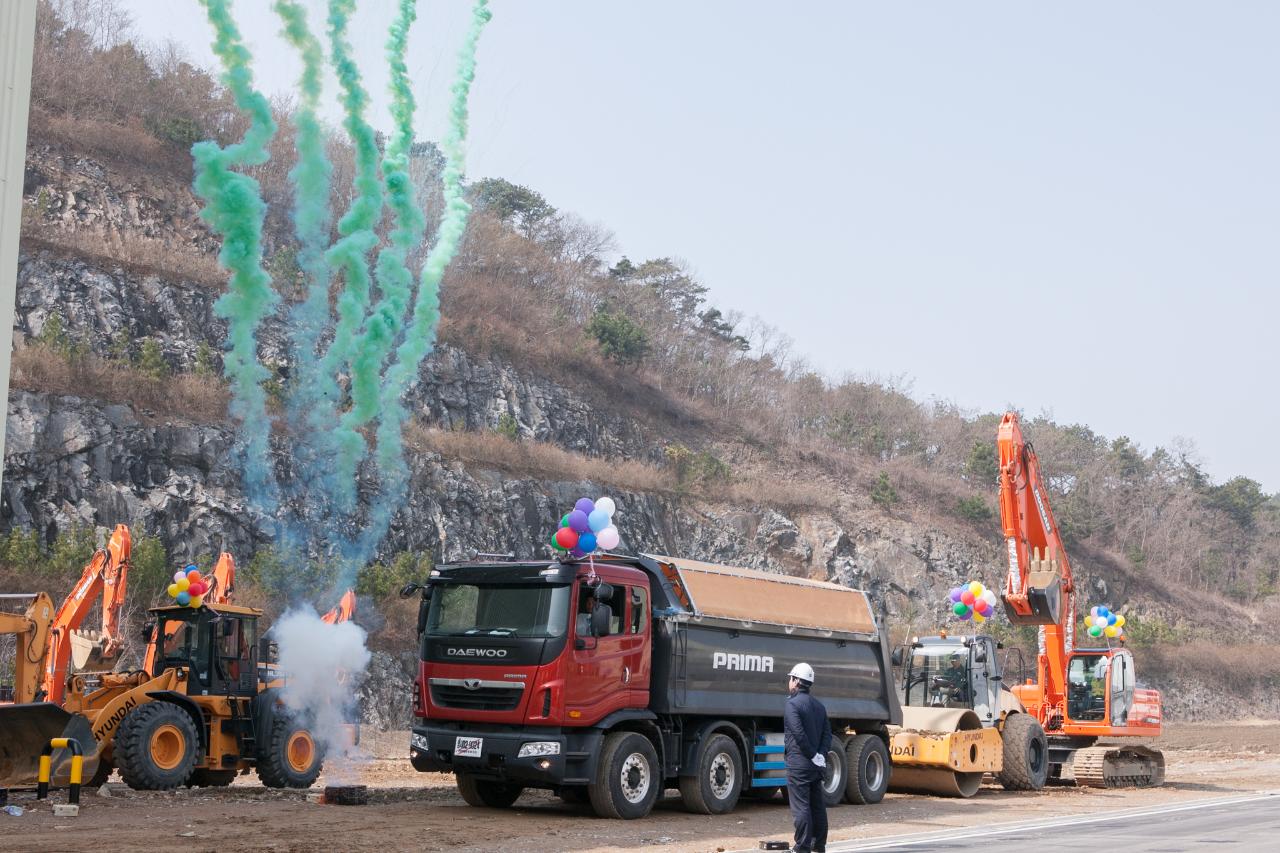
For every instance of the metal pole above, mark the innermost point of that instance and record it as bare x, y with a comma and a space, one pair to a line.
17, 45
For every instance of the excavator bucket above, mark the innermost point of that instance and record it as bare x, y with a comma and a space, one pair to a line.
1044, 594
89, 651
25, 730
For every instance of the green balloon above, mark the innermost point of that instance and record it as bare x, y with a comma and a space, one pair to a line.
557, 545
564, 522
960, 608
1095, 631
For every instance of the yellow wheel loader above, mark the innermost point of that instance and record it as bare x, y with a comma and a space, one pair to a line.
209, 708
959, 722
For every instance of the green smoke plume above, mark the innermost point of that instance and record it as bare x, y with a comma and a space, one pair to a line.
234, 208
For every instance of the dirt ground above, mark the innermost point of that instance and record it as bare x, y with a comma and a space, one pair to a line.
411, 811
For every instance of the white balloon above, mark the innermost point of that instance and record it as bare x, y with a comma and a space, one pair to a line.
608, 538
607, 505
990, 597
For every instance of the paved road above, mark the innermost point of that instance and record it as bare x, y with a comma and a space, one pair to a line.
1246, 824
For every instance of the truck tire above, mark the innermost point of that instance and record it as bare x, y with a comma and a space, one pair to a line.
289, 756
836, 773
483, 793
868, 762
1026, 754
628, 779
718, 783
155, 747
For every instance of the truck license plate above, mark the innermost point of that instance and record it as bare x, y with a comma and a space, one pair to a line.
468, 747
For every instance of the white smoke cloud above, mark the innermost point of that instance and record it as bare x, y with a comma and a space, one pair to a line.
323, 665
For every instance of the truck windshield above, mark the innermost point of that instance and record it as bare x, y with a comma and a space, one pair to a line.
938, 676
472, 610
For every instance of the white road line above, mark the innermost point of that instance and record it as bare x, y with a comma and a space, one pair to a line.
1051, 823
958, 833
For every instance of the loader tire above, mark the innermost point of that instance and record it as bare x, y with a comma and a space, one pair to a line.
290, 757
868, 778
628, 779
155, 747
718, 781
483, 793
1026, 754
202, 778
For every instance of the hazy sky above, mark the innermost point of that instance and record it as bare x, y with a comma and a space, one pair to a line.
1071, 208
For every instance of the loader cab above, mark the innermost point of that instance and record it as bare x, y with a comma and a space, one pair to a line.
218, 648
953, 672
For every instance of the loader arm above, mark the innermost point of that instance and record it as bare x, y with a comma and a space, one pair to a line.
31, 630
102, 575
1039, 589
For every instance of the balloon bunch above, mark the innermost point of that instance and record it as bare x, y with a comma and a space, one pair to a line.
586, 527
972, 601
188, 587
1101, 622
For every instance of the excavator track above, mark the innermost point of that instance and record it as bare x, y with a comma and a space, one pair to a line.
1118, 767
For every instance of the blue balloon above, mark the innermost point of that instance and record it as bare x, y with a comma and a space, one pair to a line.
587, 542
191, 567
184, 598
1103, 612
598, 520
1111, 620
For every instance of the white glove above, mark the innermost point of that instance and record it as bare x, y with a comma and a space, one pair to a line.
820, 759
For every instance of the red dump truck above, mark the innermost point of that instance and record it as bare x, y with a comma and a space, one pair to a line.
610, 681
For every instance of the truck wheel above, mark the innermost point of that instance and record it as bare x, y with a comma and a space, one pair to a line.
290, 757
201, 778
156, 747
836, 774
483, 793
1026, 754
628, 779
715, 788
868, 770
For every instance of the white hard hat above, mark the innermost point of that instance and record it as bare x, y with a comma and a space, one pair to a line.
802, 671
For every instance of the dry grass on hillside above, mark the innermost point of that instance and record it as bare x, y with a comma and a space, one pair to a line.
141, 254
196, 398
127, 142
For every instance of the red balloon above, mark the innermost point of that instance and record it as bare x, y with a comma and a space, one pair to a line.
982, 607
197, 588
967, 597
567, 538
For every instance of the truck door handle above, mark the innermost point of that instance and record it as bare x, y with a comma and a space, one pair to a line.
626, 675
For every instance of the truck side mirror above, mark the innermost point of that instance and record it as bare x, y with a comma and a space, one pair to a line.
980, 654
408, 590
148, 631
896, 657
601, 618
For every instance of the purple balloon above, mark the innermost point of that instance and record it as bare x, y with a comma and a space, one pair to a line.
577, 554
585, 506
955, 595
967, 616
578, 521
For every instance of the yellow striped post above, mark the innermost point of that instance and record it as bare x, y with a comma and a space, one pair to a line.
46, 768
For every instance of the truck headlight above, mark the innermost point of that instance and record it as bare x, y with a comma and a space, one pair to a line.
539, 747
418, 742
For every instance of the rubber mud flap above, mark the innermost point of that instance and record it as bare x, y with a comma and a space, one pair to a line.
25, 730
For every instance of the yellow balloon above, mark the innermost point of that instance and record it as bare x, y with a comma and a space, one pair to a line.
1110, 630
182, 585
975, 588
978, 617
196, 601
173, 590
1119, 621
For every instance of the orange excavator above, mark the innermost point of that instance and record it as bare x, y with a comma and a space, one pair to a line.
343, 611
1080, 695
107, 574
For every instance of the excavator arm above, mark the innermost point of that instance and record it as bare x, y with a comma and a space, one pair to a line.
1038, 586
106, 574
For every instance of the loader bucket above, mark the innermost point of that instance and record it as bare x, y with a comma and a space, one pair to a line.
26, 729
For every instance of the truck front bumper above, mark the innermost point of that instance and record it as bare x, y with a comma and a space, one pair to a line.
560, 757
